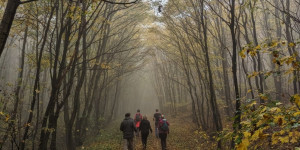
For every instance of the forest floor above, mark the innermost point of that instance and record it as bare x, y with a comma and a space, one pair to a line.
183, 136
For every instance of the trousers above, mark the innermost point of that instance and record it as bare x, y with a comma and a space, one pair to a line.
144, 139
163, 140
128, 144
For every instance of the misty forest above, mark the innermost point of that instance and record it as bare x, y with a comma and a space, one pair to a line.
225, 74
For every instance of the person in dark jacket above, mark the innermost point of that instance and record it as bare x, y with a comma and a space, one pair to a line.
145, 127
128, 128
163, 128
156, 118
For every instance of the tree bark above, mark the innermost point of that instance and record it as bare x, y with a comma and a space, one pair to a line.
6, 22
237, 118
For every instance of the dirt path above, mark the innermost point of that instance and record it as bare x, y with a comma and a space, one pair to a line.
183, 136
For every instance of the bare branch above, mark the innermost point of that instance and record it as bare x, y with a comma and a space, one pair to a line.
28, 1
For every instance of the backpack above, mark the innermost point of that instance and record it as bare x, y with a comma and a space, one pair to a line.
138, 117
165, 126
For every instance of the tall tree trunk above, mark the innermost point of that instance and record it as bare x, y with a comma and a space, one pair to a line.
221, 34
6, 22
76, 104
289, 38
213, 99
259, 61
237, 118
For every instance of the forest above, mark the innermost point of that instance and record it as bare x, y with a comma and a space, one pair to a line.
225, 73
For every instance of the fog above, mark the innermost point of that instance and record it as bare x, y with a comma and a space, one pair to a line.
226, 71
138, 93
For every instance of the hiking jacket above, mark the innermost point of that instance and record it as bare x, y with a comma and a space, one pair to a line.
160, 124
128, 128
145, 127
157, 116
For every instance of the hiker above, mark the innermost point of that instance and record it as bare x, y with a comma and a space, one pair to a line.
156, 118
145, 127
163, 127
137, 119
128, 128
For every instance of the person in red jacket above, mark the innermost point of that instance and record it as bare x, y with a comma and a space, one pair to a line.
163, 128
137, 119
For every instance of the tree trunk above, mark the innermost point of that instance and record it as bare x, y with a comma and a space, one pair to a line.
237, 118
290, 40
6, 22
261, 78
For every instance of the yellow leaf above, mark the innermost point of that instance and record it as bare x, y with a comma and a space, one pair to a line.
7, 117
253, 103
291, 134
249, 91
254, 74
258, 47
256, 135
297, 99
292, 44
294, 140
284, 139
263, 97
260, 122
247, 122
274, 44
246, 134
268, 73
274, 139
296, 114
294, 136
291, 70
264, 109
242, 53
279, 120
290, 59
275, 110
105, 66
243, 145
252, 53
297, 96
281, 132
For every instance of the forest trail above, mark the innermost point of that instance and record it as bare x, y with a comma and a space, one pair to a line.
183, 136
